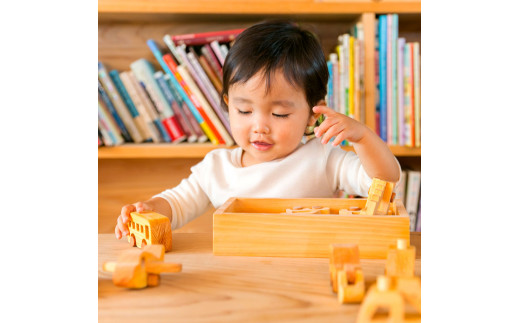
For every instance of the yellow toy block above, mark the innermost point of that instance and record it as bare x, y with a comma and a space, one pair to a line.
380, 195
147, 228
400, 261
350, 292
138, 268
381, 295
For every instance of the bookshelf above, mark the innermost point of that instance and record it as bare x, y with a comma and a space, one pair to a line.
133, 172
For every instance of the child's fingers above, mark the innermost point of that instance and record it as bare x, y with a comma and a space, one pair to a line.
122, 227
324, 126
141, 206
125, 212
118, 232
334, 130
323, 110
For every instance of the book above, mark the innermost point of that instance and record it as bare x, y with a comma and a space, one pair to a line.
389, 87
407, 95
138, 119
335, 81
412, 97
103, 97
107, 126
180, 102
183, 119
206, 37
170, 67
413, 187
352, 85
400, 189
149, 107
395, 107
383, 77
217, 83
330, 86
118, 104
150, 119
212, 59
143, 71
400, 91
418, 223
217, 51
417, 92
199, 100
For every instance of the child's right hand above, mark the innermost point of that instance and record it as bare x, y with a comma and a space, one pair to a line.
122, 226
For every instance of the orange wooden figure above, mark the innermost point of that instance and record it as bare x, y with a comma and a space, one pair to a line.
400, 261
382, 295
148, 228
138, 268
350, 292
380, 195
343, 257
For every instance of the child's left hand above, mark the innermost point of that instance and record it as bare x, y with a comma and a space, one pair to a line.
338, 125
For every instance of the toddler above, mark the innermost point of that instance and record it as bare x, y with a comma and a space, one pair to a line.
274, 83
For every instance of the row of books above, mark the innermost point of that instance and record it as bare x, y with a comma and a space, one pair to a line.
410, 193
179, 103
398, 87
345, 89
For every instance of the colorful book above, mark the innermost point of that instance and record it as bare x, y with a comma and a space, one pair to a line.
215, 80
206, 37
199, 100
417, 92
217, 51
183, 119
376, 79
352, 85
412, 96
150, 119
383, 77
330, 86
103, 97
407, 88
170, 67
212, 59
400, 91
138, 119
180, 102
389, 81
144, 71
395, 107
118, 104
107, 126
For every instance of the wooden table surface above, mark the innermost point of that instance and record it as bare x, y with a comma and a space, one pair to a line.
227, 289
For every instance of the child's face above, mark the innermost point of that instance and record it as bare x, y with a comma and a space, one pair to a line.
267, 126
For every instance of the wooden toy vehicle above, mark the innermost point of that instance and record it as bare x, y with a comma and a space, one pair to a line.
147, 228
139, 268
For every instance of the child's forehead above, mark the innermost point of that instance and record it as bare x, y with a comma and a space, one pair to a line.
273, 81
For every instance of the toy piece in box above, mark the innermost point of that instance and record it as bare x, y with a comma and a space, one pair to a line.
261, 227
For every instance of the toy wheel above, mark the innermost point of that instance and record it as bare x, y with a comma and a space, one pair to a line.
143, 243
131, 240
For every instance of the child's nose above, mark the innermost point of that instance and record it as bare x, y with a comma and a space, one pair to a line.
261, 126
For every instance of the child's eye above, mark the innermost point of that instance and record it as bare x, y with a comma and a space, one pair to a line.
243, 112
280, 115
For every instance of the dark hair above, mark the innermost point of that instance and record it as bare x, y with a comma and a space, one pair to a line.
272, 45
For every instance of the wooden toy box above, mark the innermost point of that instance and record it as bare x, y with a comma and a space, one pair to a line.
260, 227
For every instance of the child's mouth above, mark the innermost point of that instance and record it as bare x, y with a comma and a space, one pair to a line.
260, 145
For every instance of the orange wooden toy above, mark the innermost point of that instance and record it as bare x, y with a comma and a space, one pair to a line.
138, 268
148, 228
346, 277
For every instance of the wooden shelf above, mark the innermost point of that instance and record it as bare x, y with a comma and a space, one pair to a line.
146, 151
314, 7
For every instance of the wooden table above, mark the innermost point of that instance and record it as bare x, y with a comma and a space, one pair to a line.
227, 289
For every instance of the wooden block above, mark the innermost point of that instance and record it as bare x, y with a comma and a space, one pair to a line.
147, 228
259, 227
410, 289
380, 195
351, 292
400, 261
138, 268
381, 295
343, 257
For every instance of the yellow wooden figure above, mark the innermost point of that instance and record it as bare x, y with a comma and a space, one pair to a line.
343, 257
379, 198
148, 228
410, 290
382, 295
350, 292
400, 261
138, 268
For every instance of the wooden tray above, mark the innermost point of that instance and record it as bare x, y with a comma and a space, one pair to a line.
260, 227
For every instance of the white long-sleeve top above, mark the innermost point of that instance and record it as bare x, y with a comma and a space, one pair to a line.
312, 170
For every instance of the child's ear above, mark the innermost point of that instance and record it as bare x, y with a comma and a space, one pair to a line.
226, 100
314, 116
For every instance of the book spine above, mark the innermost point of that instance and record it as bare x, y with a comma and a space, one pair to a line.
407, 95
361, 68
217, 83
395, 111
103, 96
171, 68
357, 93
118, 104
138, 119
199, 100
389, 81
224, 50
376, 80
382, 77
218, 53
412, 96
206, 37
150, 108
143, 71
330, 86
139, 106
412, 196
352, 85
400, 90
183, 120
180, 102
417, 93
212, 59
108, 127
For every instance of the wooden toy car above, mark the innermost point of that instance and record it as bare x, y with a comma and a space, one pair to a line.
147, 228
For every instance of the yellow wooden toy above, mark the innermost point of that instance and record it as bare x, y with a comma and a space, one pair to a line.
147, 228
382, 295
380, 195
346, 277
350, 292
138, 268
400, 261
